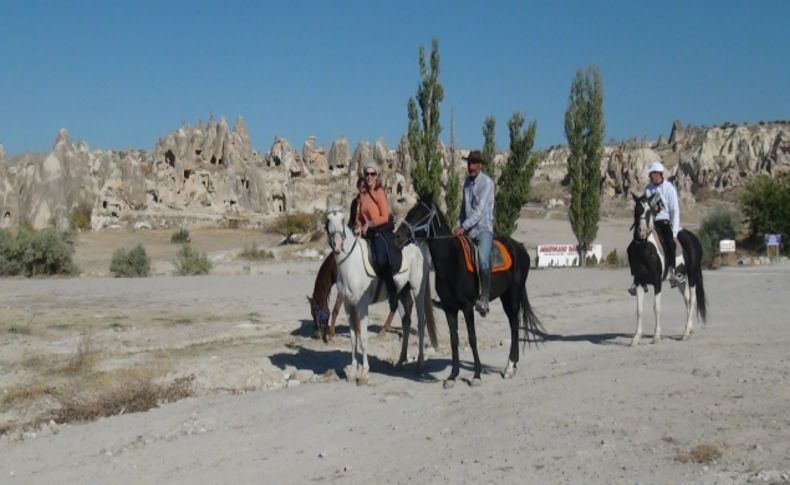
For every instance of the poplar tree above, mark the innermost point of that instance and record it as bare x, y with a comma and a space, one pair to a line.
514, 183
452, 189
489, 145
584, 129
424, 128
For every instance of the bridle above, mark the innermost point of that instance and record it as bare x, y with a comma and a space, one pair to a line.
331, 236
425, 224
647, 215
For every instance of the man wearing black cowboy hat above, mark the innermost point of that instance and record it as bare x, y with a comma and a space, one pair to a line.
476, 220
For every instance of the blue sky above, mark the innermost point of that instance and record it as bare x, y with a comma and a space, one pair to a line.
121, 74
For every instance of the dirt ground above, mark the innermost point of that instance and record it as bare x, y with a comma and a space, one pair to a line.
271, 405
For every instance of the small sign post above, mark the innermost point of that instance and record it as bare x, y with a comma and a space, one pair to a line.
727, 251
772, 244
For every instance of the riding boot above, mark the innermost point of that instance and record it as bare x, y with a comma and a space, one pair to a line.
485, 290
392, 291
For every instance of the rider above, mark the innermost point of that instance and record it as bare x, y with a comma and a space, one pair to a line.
477, 221
374, 224
361, 188
667, 219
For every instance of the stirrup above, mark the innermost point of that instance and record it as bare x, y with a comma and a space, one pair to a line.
632, 290
482, 307
676, 279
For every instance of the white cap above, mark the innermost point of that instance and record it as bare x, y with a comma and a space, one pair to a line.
655, 167
370, 163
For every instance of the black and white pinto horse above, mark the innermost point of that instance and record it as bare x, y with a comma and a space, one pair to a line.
457, 288
648, 267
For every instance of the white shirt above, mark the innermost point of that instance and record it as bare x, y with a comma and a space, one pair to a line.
670, 210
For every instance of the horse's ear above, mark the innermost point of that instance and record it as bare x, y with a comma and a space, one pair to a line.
636, 199
309, 299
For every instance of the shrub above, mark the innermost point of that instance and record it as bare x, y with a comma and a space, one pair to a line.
181, 237
612, 259
80, 217
130, 264
32, 253
766, 204
721, 223
254, 254
191, 262
287, 225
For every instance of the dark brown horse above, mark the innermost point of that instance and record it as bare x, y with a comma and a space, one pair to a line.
319, 302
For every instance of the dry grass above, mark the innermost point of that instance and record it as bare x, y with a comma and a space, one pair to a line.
114, 396
24, 393
84, 358
704, 453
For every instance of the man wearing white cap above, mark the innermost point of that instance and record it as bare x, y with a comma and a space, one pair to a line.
667, 218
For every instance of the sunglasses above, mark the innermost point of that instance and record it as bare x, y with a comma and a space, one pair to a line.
370, 174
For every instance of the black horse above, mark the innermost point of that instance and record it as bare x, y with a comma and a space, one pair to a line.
648, 267
457, 288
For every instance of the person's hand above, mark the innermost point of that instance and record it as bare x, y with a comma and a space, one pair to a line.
459, 231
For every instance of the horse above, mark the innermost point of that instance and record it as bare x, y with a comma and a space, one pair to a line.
646, 259
319, 302
457, 288
357, 289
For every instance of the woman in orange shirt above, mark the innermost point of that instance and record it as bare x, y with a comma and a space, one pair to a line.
374, 224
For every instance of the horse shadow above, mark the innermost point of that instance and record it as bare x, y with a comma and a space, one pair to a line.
594, 338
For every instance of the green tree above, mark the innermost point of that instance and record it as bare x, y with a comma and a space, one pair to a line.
424, 128
489, 144
452, 189
514, 182
584, 129
766, 204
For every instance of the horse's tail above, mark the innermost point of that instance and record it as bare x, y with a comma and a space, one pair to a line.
699, 287
692, 246
429, 315
533, 327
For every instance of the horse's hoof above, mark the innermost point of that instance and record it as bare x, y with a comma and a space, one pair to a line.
508, 373
476, 382
448, 383
399, 365
687, 336
362, 381
634, 342
656, 340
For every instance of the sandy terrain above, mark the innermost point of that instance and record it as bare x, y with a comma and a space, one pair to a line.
271, 405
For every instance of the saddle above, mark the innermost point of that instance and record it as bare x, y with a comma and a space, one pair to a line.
501, 260
369, 261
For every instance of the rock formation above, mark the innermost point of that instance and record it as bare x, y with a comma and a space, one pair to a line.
209, 174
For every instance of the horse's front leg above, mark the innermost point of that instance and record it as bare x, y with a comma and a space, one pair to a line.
452, 322
387, 324
640, 306
353, 327
657, 310
362, 375
335, 312
469, 317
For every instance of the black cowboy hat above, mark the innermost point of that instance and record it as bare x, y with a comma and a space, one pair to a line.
475, 157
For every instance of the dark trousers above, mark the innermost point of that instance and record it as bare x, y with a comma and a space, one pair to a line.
384, 268
664, 229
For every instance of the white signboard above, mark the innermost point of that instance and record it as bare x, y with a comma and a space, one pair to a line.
550, 255
727, 246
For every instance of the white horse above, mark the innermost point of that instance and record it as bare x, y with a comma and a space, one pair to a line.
357, 287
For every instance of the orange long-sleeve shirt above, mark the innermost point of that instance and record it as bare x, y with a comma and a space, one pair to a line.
373, 208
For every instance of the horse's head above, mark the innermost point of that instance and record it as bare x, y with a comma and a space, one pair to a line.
335, 228
421, 222
320, 317
644, 217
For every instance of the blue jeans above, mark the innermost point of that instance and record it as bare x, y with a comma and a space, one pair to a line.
484, 241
